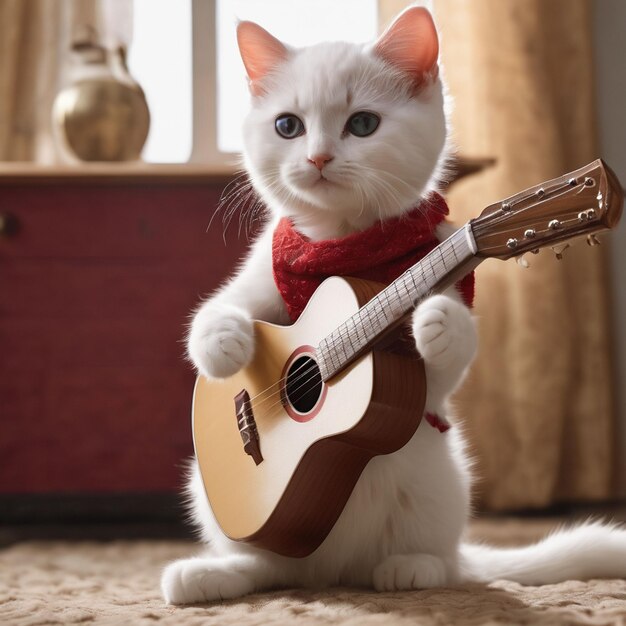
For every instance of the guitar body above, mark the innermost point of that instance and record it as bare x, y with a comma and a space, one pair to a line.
279, 450
313, 448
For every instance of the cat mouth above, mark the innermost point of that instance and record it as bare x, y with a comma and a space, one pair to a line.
319, 183
322, 181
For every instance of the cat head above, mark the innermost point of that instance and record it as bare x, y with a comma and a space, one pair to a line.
344, 134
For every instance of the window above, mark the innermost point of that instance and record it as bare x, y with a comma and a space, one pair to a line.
160, 59
184, 55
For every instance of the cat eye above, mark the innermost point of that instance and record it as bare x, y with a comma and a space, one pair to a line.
362, 124
289, 126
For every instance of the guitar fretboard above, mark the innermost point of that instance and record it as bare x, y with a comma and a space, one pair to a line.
448, 262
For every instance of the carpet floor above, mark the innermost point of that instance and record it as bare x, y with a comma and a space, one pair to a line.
117, 582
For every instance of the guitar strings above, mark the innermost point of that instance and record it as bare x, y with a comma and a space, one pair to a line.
312, 368
479, 227
378, 316
278, 382
268, 409
495, 219
336, 339
344, 329
349, 332
564, 220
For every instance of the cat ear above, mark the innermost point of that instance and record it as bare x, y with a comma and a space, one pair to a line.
259, 51
411, 44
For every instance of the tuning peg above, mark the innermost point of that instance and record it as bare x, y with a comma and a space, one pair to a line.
559, 250
592, 240
522, 261
585, 216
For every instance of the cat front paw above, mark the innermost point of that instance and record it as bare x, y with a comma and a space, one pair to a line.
412, 571
444, 333
221, 341
189, 581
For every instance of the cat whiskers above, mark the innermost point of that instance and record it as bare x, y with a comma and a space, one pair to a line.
419, 195
362, 196
272, 185
384, 190
241, 196
235, 194
391, 189
280, 192
352, 175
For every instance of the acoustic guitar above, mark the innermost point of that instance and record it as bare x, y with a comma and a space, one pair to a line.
282, 443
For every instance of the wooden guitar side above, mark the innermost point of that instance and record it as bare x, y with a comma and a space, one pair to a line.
291, 500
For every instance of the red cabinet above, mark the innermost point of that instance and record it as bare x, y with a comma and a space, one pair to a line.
96, 286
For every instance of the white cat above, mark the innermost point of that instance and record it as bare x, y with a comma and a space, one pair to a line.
338, 137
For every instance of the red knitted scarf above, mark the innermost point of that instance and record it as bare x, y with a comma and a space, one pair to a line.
381, 253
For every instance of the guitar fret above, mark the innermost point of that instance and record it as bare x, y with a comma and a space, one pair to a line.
345, 352
384, 312
456, 258
355, 328
432, 267
381, 318
373, 320
406, 288
423, 276
443, 260
331, 355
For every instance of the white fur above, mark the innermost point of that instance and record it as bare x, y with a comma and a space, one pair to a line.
591, 550
402, 525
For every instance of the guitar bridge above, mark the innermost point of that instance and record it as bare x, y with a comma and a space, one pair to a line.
247, 426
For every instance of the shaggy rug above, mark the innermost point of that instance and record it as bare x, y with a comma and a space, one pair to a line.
118, 583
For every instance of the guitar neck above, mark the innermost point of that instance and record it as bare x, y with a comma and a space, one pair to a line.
451, 260
583, 202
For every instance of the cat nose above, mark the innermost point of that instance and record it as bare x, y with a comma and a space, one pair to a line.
320, 160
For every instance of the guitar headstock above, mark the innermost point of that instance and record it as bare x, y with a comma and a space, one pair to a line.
583, 202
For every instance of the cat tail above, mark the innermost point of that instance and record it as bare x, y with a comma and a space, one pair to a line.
591, 550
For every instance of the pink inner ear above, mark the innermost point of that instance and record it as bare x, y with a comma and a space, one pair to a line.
259, 50
411, 44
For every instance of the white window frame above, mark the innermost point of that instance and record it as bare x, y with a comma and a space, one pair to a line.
204, 103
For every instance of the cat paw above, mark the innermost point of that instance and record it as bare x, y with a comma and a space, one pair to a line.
202, 580
413, 571
444, 333
221, 341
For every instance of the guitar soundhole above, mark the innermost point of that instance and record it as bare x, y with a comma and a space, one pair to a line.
303, 385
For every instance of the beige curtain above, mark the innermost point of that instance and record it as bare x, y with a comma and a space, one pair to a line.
538, 403
35, 38
31, 35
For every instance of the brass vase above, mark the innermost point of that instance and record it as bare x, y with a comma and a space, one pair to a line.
103, 115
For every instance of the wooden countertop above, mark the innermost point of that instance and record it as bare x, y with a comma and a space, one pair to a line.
131, 173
